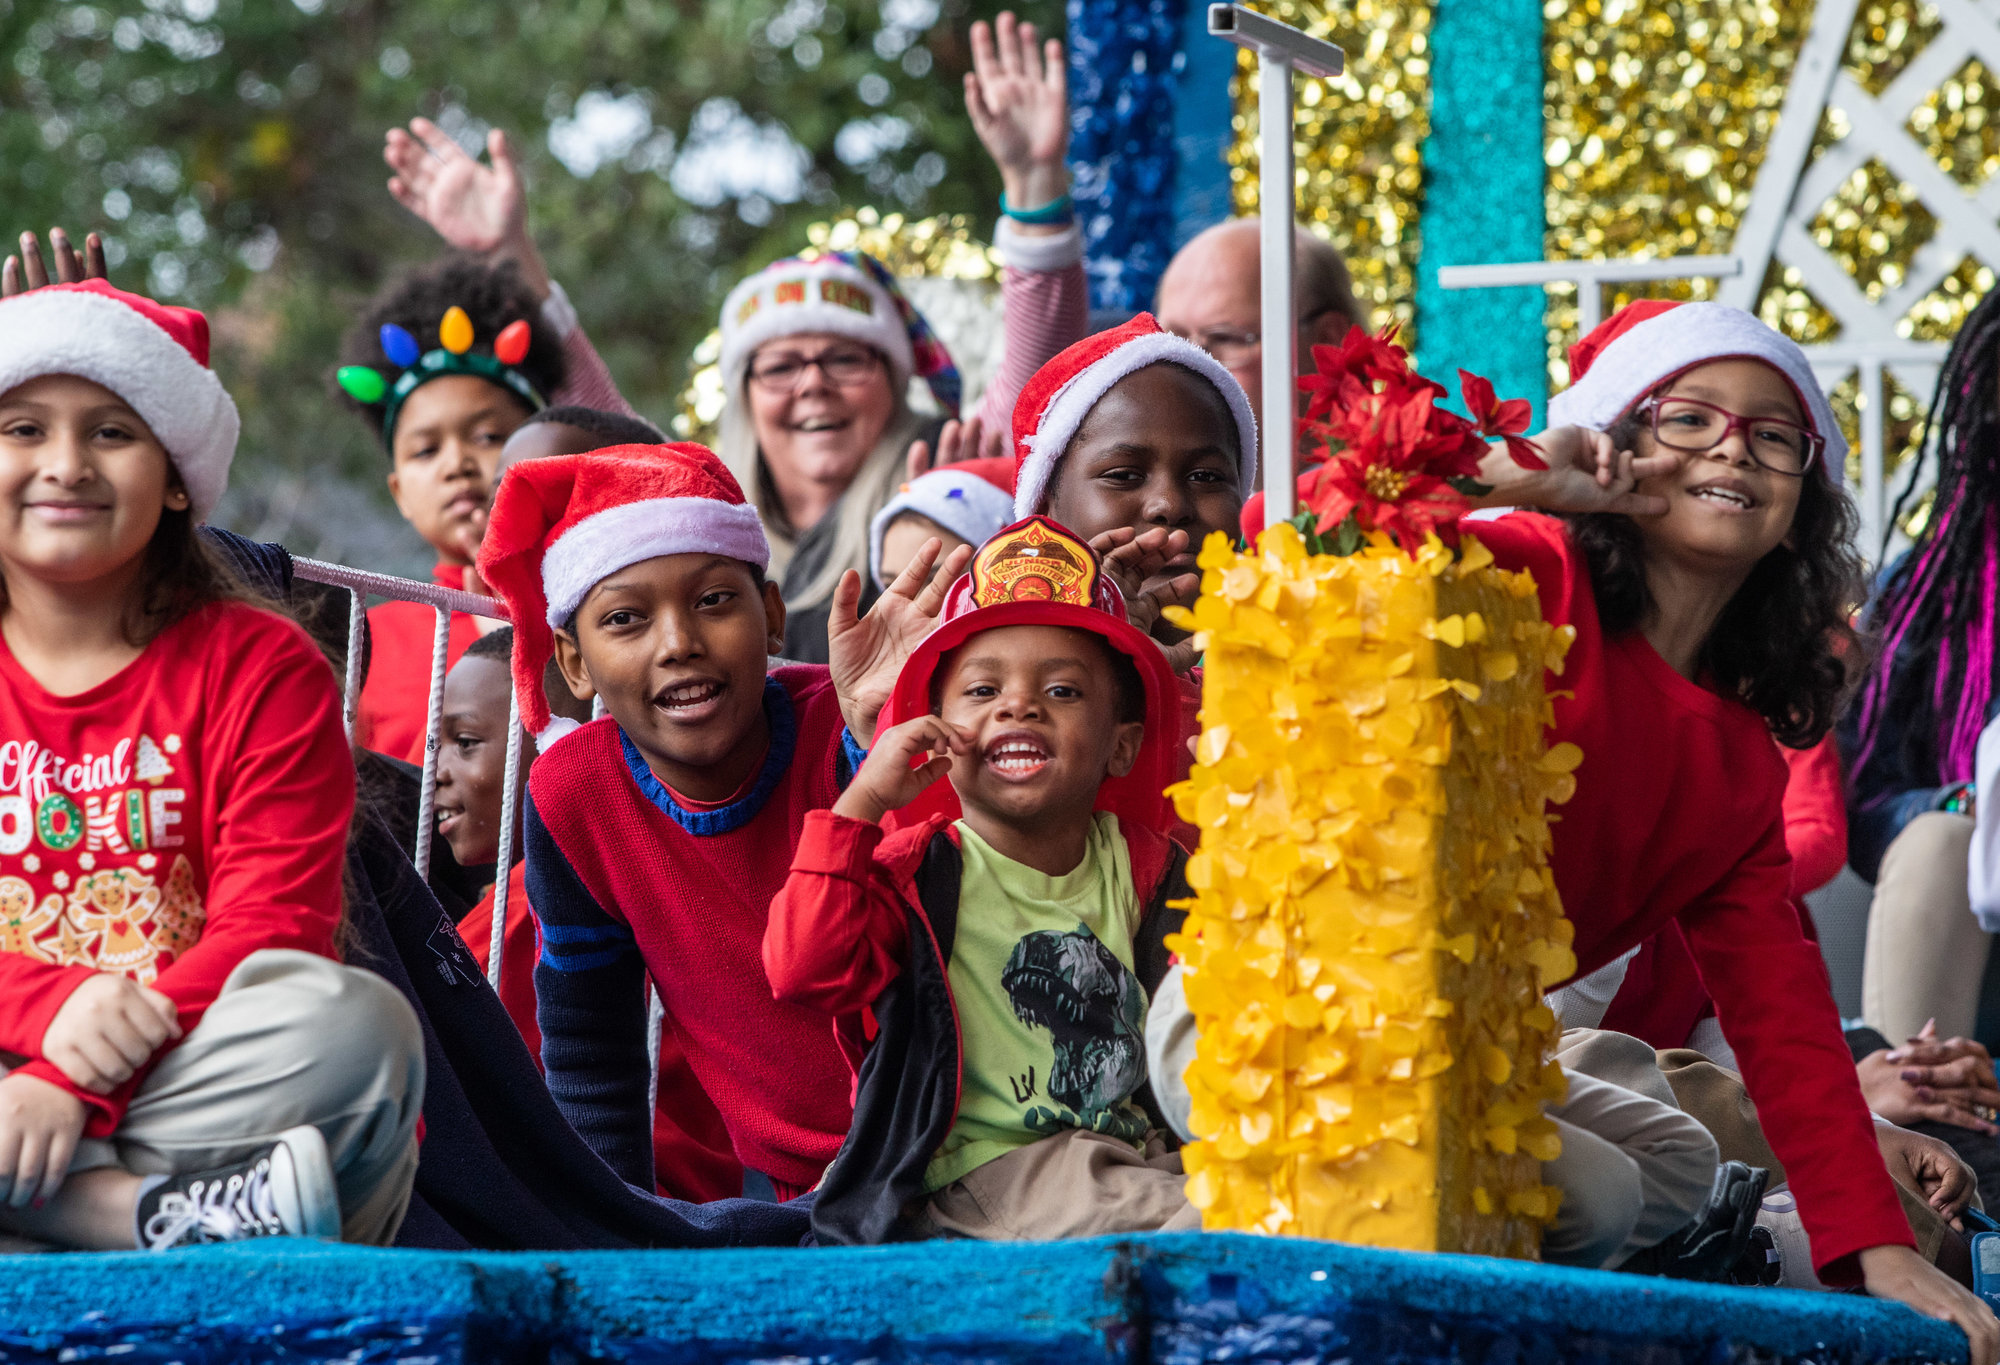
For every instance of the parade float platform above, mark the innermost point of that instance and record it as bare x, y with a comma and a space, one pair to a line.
1169, 1298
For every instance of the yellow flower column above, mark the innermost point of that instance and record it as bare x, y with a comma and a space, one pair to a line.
1374, 918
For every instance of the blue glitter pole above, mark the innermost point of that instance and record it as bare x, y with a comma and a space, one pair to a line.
1122, 79
1483, 194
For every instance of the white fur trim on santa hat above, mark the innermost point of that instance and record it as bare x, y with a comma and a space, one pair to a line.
46, 332
1662, 346
1074, 400
559, 727
966, 505
605, 542
753, 314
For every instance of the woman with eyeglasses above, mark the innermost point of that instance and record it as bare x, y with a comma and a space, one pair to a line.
1704, 560
818, 354
1912, 737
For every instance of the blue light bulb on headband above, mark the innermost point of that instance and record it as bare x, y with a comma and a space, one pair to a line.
399, 346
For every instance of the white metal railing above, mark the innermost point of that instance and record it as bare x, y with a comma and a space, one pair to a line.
442, 601
1589, 277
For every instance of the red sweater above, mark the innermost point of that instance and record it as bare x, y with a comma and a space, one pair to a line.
395, 698
1678, 817
628, 883
691, 1156
167, 823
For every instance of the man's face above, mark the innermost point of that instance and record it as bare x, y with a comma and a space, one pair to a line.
1210, 296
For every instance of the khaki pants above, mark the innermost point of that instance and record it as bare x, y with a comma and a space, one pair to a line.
1074, 1184
293, 1038
1716, 1096
1634, 1169
1926, 954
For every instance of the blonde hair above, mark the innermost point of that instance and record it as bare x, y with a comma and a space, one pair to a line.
874, 483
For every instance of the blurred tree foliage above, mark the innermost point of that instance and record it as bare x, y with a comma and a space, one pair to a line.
230, 151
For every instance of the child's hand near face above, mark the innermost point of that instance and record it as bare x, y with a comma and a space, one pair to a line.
39, 1128
108, 1028
1586, 473
892, 778
866, 653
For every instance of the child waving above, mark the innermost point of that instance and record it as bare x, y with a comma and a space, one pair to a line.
175, 790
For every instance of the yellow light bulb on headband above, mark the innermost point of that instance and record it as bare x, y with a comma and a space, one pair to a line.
455, 332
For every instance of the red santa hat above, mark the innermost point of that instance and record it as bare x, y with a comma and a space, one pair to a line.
1037, 573
563, 524
152, 355
1650, 342
1062, 393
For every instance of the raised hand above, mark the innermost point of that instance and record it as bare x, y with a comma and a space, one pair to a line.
27, 271
891, 777
866, 653
1018, 97
474, 206
958, 441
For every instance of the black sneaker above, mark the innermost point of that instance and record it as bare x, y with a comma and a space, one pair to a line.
1716, 1240
283, 1190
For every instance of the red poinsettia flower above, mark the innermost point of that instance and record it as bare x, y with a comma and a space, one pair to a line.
1390, 451
1506, 420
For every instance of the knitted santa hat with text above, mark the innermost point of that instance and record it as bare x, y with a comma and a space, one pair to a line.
564, 523
1037, 573
1650, 342
1061, 394
153, 356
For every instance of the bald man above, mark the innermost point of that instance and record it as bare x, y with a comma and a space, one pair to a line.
1210, 294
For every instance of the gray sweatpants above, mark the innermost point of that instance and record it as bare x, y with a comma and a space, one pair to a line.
293, 1038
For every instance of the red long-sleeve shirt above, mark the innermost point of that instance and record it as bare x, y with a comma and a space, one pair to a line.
1678, 817
167, 823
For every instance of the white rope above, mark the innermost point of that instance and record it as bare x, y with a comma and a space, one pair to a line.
504, 865
427, 797
350, 692
402, 589
656, 1016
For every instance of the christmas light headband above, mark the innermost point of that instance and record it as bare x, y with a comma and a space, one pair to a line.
365, 383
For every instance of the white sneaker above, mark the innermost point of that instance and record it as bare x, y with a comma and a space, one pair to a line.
1780, 1214
283, 1190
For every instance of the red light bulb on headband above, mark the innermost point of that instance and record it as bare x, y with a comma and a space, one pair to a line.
511, 346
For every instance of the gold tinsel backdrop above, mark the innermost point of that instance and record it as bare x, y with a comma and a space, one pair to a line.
1657, 114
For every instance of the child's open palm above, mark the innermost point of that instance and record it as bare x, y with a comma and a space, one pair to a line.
473, 206
866, 653
1017, 94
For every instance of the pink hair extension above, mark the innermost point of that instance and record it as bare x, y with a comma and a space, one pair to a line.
1962, 743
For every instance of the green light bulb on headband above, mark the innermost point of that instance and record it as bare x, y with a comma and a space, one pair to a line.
363, 385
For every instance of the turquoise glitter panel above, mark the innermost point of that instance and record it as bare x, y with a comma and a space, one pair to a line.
1483, 194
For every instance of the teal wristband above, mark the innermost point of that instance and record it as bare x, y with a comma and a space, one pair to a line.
1054, 213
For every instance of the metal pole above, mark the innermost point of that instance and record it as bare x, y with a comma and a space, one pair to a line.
1276, 206
504, 867
427, 797
1280, 50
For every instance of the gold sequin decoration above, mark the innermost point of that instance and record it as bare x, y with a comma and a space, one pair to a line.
939, 248
1358, 143
1657, 115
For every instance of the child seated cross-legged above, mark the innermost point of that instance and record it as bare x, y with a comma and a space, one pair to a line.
1006, 957
656, 836
184, 1058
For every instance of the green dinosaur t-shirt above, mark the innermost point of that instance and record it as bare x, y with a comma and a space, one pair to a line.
1052, 1017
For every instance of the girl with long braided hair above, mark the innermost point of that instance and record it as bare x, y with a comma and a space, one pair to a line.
1911, 735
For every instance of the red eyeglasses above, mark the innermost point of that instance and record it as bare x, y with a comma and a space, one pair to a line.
1781, 446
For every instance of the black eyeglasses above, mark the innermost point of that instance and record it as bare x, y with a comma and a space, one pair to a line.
1781, 446
843, 368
